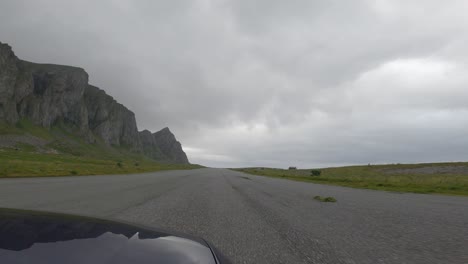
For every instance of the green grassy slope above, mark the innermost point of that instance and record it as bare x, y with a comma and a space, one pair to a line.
379, 177
65, 153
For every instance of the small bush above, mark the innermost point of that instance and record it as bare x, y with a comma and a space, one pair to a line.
325, 199
73, 172
315, 172
119, 164
137, 164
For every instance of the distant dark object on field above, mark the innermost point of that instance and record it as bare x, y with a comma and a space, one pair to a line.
315, 172
292, 168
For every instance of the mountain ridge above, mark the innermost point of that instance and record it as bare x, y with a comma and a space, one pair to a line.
49, 94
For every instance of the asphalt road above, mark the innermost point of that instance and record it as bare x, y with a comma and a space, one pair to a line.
264, 220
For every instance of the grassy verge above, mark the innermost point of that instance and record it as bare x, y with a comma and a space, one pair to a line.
29, 164
71, 156
377, 177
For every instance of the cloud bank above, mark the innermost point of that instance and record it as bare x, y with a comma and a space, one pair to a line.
270, 83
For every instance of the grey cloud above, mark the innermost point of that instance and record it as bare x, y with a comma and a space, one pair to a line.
268, 82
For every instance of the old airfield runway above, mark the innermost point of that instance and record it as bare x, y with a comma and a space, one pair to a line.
254, 219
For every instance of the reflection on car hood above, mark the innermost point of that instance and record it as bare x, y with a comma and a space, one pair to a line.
34, 237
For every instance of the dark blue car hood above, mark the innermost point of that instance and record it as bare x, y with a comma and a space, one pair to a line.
36, 237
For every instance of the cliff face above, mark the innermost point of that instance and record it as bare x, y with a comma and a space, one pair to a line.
42, 93
163, 145
150, 146
168, 145
109, 120
49, 94
8, 75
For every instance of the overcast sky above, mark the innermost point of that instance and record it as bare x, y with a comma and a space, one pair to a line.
270, 83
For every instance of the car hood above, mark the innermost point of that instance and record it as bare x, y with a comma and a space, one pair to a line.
37, 237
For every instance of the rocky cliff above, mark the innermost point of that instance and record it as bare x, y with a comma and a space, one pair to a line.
150, 146
49, 94
109, 120
167, 143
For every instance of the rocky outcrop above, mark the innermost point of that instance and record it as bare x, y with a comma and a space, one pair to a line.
109, 120
168, 145
162, 145
49, 94
150, 146
42, 93
8, 75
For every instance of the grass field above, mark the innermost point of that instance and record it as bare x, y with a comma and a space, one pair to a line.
379, 177
71, 155
29, 164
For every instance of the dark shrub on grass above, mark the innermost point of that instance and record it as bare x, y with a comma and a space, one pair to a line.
325, 199
315, 172
119, 164
73, 172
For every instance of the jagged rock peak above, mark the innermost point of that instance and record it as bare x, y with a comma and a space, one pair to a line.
169, 145
6, 51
